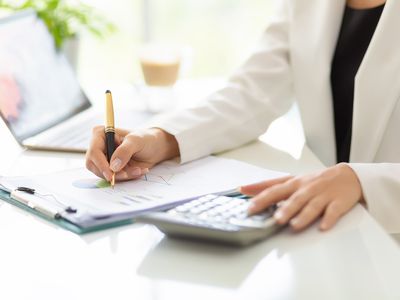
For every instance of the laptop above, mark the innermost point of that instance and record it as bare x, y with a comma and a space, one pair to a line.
41, 100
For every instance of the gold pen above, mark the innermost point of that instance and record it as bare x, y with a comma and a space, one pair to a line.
110, 131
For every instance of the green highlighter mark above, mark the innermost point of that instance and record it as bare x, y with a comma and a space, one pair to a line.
103, 184
91, 183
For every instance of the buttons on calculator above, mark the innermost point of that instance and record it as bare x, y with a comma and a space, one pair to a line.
221, 212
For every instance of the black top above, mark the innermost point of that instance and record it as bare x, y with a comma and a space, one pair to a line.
358, 26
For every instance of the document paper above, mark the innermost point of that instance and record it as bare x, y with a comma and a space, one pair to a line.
165, 184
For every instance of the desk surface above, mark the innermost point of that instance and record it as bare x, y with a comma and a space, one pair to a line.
355, 260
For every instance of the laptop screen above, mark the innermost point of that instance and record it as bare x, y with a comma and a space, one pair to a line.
38, 88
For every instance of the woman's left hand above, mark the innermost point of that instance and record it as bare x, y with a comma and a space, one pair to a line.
330, 194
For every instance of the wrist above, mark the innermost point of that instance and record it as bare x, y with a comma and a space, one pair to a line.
166, 143
357, 182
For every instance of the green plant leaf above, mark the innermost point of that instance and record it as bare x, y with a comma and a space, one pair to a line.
65, 20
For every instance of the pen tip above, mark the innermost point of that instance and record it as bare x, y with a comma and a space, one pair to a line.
108, 92
113, 180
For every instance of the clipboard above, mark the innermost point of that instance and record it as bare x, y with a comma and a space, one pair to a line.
61, 222
79, 202
65, 224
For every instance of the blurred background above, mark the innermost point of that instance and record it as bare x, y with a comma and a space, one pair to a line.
215, 35
104, 39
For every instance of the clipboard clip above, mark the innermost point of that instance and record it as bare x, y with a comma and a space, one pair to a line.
46, 210
26, 190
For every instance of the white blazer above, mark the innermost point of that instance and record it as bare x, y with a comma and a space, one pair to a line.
293, 63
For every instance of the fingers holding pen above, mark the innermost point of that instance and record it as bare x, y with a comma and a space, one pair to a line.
131, 173
96, 160
122, 162
97, 163
92, 168
124, 153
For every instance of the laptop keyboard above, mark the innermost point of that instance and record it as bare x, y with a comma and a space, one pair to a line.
74, 137
77, 136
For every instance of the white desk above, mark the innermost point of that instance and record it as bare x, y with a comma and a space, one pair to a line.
355, 260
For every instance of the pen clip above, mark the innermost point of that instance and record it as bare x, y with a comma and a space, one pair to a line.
26, 190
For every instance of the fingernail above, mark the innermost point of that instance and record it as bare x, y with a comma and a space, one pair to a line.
106, 176
278, 215
294, 222
251, 208
145, 170
115, 165
323, 226
136, 171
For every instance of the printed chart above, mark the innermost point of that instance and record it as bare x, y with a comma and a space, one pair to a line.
90, 183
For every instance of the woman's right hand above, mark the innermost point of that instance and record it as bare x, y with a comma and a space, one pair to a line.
135, 152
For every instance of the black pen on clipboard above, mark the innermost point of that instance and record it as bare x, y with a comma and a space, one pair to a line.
110, 131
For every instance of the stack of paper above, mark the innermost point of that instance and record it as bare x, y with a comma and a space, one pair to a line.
166, 184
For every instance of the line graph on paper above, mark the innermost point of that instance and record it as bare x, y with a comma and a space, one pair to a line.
165, 179
166, 183
153, 186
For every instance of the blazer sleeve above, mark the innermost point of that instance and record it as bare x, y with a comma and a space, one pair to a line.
260, 91
380, 183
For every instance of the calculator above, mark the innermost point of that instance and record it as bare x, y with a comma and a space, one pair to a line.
215, 218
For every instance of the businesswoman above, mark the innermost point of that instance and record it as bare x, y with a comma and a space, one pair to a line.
340, 61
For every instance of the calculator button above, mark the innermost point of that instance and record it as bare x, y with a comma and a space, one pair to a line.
221, 200
237, 201
220, 209
238, 209
203, 216
232, 204
213, 212
217, 219
222, 213
208, 197
173, 212
201, 207
194, 203
196, 210
182, 208
204, 200
241, 216
227, 215
210, 205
